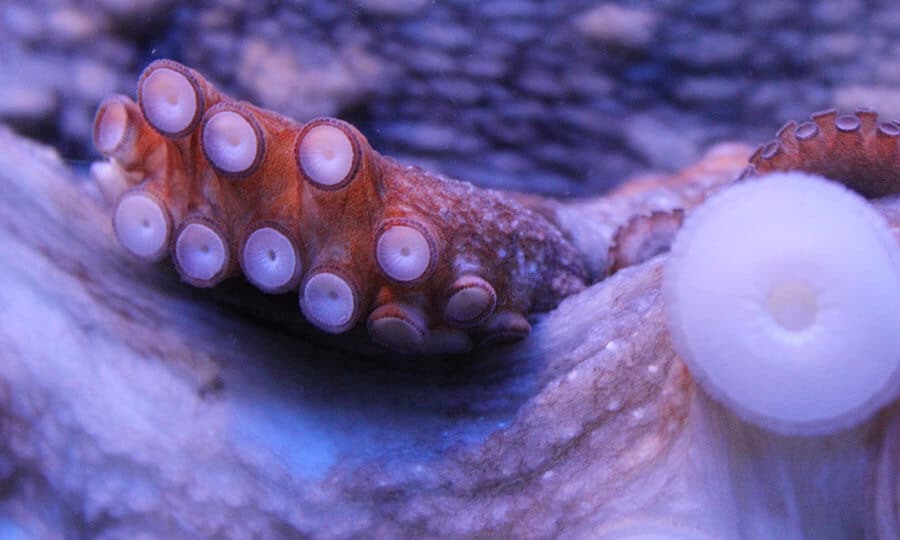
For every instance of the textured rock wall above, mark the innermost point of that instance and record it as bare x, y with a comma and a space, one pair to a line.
135, 407
564, 97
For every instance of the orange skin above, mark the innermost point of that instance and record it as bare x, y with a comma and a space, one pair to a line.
856, 149
523, 256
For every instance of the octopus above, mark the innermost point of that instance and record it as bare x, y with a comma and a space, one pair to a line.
429, 263
432, 264
591, 427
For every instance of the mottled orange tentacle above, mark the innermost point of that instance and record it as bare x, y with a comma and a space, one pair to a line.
856, 149
429, 263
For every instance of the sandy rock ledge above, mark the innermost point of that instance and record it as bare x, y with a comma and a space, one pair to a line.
132, 406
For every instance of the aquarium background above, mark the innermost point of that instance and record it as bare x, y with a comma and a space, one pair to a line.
566, 97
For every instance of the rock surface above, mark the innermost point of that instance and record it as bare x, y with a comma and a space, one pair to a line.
132, 406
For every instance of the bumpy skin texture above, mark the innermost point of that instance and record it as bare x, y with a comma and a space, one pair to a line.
460, 264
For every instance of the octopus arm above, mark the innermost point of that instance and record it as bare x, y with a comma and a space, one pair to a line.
226, 188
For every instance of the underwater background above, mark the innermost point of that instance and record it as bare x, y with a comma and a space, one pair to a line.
566, 97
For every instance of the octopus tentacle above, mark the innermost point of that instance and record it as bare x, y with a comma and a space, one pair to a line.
857, 149
643, 237
429, 263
